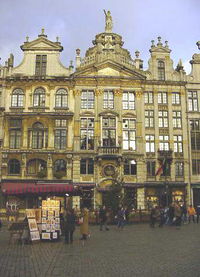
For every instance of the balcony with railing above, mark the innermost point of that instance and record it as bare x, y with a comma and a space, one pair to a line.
109, 150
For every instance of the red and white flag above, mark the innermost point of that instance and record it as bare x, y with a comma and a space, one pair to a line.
161, 168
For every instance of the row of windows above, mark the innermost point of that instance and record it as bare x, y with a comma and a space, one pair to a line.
87, 99
87, 167
163, 119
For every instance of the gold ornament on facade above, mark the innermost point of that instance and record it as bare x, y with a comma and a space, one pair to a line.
138, 93
118, 92
77, 92
98, 92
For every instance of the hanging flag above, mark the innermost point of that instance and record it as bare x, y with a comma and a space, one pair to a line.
161, 169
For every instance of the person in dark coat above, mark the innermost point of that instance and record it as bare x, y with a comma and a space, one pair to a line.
103, 218
171, 214
154, 216
69, 225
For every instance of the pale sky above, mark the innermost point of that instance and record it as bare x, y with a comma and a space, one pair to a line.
76, 22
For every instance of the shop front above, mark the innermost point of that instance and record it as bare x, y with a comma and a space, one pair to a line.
196, 193
163, 194
84, 196
19, 196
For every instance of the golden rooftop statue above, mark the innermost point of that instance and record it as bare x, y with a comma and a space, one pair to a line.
109, 22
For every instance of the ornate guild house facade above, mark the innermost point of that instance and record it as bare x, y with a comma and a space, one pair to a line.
74, 131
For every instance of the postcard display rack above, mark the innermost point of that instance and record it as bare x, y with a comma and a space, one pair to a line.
33, 228
51, 220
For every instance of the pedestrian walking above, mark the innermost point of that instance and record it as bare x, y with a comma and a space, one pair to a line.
191, 213
198, 212
121, 217
162, 216
170, 214
177, 215
154, 216
84, 226
69, 225
184, 213
103, 218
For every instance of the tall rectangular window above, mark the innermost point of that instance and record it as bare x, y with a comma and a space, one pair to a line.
108, 99
15, 133
164, 143
177, 119
150, 143
148, 97
129, 130
178, 144
151, 165
179, 169
195, 134
192, 101
87, 99
162, 97
176, 98
161, 70
87, 166
196, 167
87, 133
40, 65
109, 131
149, 119
163, 119
128, 100
130, 167
60, 133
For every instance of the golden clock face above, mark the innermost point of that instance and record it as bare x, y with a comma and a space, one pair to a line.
109, 170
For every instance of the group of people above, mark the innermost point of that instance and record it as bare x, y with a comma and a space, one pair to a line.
174, 215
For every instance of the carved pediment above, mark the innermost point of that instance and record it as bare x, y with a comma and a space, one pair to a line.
110, 68
41, 43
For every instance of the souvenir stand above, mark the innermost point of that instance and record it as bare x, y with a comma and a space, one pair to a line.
51, 220
32, 223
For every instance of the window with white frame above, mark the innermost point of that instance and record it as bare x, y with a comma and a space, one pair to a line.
178, 144
39, 98
179, 169
61, 100
177, 119
109, 131
108, 99
161, 70
149, 119
128, 100
162, 97
192, 101
148, 97
129, 131
163, 119
60, 134
195, 134
87, 99
17, 98
176, 98
15, 133
150, 143
87, 133
164, 143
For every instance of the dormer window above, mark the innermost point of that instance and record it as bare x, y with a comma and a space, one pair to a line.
161, 70
40, 65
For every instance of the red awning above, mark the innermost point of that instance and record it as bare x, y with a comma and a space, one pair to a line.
22, 188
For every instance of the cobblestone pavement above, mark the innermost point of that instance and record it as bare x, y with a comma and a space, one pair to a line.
138, 250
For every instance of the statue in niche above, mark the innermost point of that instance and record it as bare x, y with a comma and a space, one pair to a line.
109, 22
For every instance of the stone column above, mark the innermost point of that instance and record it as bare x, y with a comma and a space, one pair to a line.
141, 198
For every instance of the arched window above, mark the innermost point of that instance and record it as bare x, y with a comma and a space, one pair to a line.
61, 98
39, 98
60, 166
14, 167
161, 70
38, 136
35, 166
17, 98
